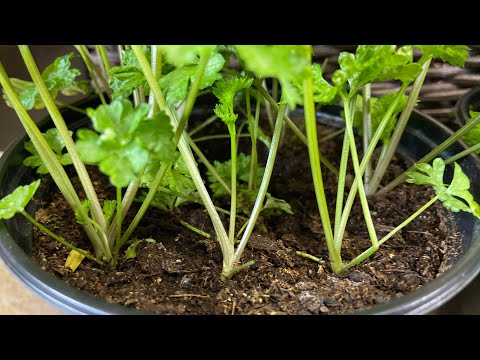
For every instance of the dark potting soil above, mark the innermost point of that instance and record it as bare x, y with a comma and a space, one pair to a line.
180, 272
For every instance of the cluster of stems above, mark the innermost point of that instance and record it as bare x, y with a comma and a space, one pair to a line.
108, 241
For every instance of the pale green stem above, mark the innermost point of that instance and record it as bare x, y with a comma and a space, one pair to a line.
314, 155
71, 107
105, 60
141, 95
331, 135
57, 118
119, 214
309, 256
88, 64
208, 165
434, 153
366, 158
92, 67
253, 135
204, 124
342, 175
242, 229
194, 229
237, 269
370, 251
252, 181
192, 95
216, 137
275, 89
294, 127
385, 160
145, 204
157, 72
61, 240
262, 191
233, 185
103, 68
194, 200
127, 201
51, 161
367, 130
222, 237
358, 174
462, 154
268, 104
239, 134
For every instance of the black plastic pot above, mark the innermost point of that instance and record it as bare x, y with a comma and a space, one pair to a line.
422, 134
469, 101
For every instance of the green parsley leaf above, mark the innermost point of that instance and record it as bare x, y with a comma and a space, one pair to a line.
56, 143
225, 90
17, 200
288, 63
455, 55
451, 196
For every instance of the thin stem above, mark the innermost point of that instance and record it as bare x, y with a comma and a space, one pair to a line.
216, 137
71, 107
367, 130
194, 229
103, 69
192, 95
239, 134
358, 174
462, 154
195, 200
342, 175
204, 124
119, 214
208, 165
145, 204
275, 89
242, 229
50, 160
61, 240
252, 129
120, 53
309, 256
385, 160
434, 153
331, 135
183, 146
127, 201
88, 64
268, 104
141, 95
237, 269
57, 118
92, 67
314, 155
233, 197
370, 251
262, 191
366, 158
294, 127
156, 62
106, 61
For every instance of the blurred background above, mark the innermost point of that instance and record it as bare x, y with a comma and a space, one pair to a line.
443, 88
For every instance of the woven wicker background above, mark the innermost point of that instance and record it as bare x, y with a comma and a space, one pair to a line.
443, 86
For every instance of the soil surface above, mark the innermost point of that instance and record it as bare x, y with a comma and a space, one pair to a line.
180, 272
